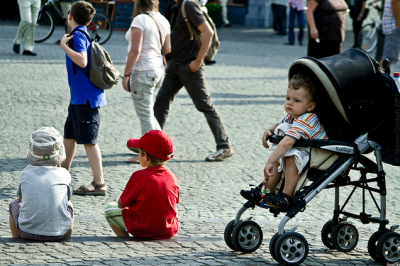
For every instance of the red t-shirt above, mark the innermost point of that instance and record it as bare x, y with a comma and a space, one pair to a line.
149, 201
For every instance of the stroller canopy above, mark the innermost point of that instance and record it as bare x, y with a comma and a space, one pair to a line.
353, 97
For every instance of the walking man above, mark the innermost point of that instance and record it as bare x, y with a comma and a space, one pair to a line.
186, 68
391, 30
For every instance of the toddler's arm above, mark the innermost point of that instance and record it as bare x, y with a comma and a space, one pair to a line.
78, 58
280, 150
268, 133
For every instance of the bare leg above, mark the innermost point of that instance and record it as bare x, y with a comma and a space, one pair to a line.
69, 233
13, 227
292, 176
118, 232
273, 180
94, 155
70, 149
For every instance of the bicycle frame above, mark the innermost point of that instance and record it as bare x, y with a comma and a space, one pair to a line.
51, 3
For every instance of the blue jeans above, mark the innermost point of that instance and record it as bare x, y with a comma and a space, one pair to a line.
300, 18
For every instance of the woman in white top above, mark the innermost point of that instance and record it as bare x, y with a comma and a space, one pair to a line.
149, 40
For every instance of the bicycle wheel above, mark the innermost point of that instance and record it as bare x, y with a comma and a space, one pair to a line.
44, 26
368, 38
101, 26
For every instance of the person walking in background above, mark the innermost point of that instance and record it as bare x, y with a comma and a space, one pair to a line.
224, 12
296, 10
28, 10
358, 14
186, 68
149, 40
280, 17
391, 30
326, 27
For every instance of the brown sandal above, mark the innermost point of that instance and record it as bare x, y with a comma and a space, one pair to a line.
96, 192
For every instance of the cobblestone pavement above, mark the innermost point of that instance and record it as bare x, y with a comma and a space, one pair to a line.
247, 84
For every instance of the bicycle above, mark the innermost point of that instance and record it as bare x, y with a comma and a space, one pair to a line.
100, 28
368, 36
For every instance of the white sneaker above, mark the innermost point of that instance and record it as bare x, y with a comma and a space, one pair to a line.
220, 155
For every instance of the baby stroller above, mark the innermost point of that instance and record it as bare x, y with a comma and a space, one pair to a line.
356, 103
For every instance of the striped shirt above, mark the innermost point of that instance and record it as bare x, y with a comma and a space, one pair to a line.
306, 126
388, 22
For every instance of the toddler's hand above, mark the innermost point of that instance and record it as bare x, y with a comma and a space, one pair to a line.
65, 39
268, 170
265, 138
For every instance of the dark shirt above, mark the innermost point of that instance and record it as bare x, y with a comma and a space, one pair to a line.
184, 50
357, 7
329, 18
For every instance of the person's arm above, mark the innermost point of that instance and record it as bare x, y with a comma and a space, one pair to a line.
362, 10
78, 58
133, 55
268, 133
396, 12
207, 32
311, 6
166, 49
280, 150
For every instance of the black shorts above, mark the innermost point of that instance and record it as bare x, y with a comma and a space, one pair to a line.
82, 123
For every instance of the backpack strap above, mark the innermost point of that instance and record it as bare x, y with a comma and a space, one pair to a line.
190, 27
159, 32
72, 47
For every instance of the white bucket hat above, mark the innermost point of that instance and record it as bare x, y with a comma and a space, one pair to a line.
46, 147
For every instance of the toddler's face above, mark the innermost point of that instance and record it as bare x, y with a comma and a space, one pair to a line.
297, 102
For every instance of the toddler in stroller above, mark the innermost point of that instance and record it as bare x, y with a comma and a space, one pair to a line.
299, 123
358, 105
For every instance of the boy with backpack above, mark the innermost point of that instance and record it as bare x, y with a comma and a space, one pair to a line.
83, 121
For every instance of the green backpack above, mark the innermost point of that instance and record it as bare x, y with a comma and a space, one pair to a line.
103, 74
213, 49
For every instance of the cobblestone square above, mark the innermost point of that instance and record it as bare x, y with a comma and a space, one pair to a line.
247, 84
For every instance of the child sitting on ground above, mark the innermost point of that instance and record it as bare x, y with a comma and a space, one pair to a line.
43, 210
147, 206
299, 123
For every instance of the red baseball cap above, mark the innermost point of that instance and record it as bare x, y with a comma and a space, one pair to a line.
154, 142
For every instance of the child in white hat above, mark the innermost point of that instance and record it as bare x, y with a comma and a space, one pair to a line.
43, 210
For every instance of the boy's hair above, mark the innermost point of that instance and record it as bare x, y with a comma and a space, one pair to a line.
82, 12
301, 81
153, 160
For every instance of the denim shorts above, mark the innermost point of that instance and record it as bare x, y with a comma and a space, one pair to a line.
391, 49
82, 124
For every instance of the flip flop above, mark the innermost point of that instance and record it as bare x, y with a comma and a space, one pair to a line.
96, 192
134, 160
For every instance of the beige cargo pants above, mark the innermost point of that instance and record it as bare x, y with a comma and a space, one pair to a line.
29, 10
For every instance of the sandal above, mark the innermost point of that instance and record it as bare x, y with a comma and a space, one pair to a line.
96, 192
134, 160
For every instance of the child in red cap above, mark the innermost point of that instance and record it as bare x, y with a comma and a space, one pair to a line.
147, 206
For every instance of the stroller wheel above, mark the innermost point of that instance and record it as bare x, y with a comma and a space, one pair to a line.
228, 234
372, 245
272, 244
344, 236
326, 234
388, 248
247, 236
291, 249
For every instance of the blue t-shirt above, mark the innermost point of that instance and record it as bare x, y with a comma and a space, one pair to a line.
81, 89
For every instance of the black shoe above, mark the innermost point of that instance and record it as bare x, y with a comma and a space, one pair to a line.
228, 25
28, 53
16, 48
209, 62
288, 43
253, 194
280, 201
58, 42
